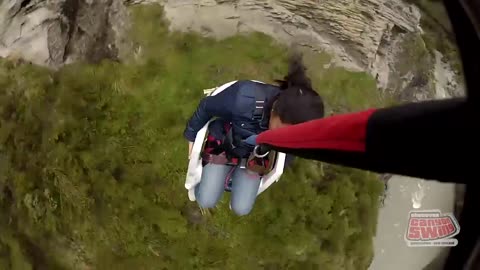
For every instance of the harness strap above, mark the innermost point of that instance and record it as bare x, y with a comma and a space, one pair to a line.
259, 109
226, 185
261, 113
260, 99
229, 139
218, 159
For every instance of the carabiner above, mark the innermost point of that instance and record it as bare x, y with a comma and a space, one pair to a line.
256, 154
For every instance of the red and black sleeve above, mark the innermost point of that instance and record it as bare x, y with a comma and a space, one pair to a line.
431, 140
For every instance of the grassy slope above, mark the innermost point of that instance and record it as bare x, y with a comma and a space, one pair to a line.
93, 164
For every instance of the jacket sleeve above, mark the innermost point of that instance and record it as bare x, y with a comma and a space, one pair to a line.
212, 106
429, 140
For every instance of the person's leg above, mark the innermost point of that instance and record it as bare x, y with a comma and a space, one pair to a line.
210, 189
244, 191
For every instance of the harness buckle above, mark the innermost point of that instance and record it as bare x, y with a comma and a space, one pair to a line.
257, 152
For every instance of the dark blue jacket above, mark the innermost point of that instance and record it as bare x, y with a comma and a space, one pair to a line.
237, 105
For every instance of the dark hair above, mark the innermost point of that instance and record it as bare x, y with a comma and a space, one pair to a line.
297, 102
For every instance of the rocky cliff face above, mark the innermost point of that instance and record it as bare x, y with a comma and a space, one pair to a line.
382, 37
56, 32
370, 35
353, 30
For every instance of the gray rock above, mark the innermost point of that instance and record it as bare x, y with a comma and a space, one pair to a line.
55, 32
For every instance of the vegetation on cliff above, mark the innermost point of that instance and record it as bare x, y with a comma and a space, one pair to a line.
438, 33
92, 165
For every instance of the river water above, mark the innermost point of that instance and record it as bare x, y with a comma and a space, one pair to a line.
405, 194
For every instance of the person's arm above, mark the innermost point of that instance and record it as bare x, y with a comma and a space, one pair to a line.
430, 140
212, 106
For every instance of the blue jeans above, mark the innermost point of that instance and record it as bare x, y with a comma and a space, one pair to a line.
245, 186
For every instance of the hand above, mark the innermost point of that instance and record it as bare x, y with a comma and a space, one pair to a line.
190, 147
252, 140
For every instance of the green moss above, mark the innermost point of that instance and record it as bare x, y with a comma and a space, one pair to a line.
343, 90
438, 33
13, 255
414, 56
416, 64
94, 155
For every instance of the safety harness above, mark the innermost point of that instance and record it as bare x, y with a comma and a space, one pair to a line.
231, 150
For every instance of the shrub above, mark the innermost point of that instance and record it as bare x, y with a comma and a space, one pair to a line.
93, 165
